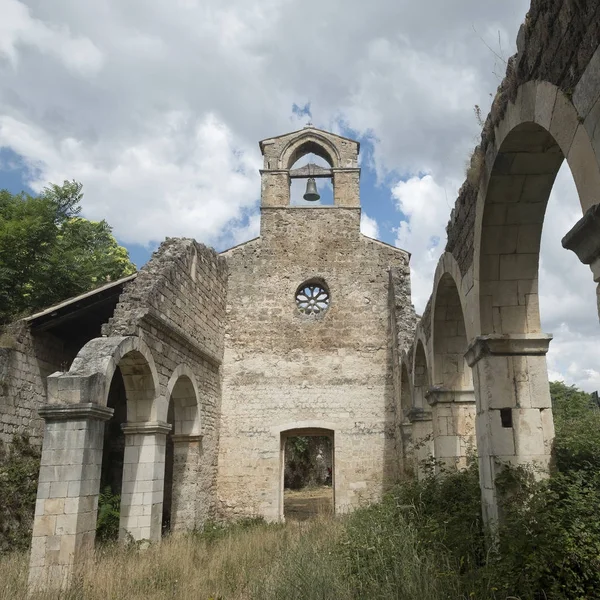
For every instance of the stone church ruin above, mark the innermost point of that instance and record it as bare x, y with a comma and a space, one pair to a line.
179, 386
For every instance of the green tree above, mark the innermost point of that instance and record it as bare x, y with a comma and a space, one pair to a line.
49, 253
577, 422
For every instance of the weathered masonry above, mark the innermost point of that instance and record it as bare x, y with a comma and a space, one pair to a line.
180, 385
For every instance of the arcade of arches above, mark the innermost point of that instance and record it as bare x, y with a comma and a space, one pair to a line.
210, 362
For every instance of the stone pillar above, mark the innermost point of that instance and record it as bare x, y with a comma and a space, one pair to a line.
186, 464
453, 415
275, 187
64, 527
143, 480
346, 188
422, 439
514, 410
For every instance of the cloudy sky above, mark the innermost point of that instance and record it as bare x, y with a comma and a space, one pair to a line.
157, 108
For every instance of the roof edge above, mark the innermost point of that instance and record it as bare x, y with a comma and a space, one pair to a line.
75, 299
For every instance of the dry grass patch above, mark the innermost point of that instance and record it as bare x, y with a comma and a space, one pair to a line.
235, 564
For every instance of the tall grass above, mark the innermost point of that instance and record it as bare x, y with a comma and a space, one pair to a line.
321, 559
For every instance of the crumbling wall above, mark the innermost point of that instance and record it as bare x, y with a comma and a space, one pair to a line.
25, 362
176, 305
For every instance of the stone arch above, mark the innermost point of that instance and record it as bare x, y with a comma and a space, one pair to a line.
92, 371
451, 396
449, 335
182, 391
537, 133
421, 442
309, 142
421, 380
182, 453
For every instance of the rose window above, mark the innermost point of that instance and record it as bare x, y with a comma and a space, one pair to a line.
312, 298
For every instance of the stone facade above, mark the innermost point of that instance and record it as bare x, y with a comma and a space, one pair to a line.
286, 370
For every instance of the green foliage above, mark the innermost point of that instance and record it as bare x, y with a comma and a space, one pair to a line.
19, 467
549, 544
446, 510
388, 557
577, 422
109, 515
48, 253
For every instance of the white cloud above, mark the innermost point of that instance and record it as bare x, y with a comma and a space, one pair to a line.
129, 98
142, 188
369, 226
426, 208
568, 294
18, 28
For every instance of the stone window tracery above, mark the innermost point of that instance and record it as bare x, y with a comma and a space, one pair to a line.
312, 298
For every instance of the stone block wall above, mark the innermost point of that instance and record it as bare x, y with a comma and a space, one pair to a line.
177, 306
284, 370
25, 362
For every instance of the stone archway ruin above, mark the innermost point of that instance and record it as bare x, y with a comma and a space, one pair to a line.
396, 389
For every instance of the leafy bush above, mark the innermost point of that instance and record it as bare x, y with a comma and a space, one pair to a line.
19, 468
109, 516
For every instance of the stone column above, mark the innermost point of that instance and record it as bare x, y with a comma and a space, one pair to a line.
186, 463
422, 439
514, 410
275, 187
453, 415
346, 187
143, 480
64, 527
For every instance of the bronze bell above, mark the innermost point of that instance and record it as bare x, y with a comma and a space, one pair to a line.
311, 193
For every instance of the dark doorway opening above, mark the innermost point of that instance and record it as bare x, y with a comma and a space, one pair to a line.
308, 471
113, 456
169, 465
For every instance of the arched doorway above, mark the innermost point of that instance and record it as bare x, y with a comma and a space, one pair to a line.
307, 473
182, 453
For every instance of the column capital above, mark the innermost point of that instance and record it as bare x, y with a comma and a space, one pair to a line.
418, 414
146, 427
75, 412
440, 395
507, 344
584, 239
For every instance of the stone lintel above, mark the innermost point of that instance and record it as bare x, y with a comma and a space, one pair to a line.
75, 412
273, 171
310, 170
182, 438
440, 395
584, 239
418, 414
507, 344
146, 427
